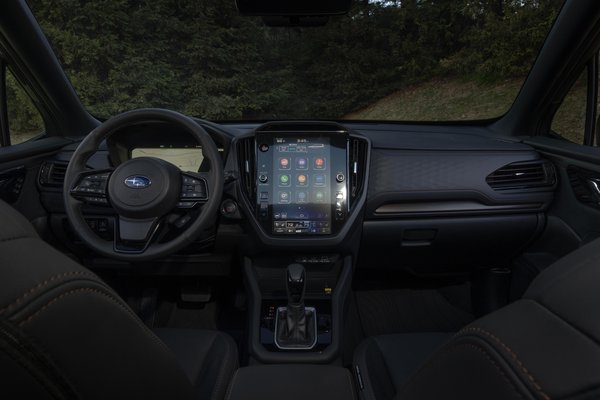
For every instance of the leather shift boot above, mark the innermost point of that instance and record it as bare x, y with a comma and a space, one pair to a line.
296, 327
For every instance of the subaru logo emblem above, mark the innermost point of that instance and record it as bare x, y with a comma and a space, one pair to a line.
137, 182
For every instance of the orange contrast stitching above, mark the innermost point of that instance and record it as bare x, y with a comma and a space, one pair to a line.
109, 297
513, 355
41, 285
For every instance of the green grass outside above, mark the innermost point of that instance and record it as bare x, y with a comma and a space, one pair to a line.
452, 100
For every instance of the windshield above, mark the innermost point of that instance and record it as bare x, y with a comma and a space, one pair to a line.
418, 60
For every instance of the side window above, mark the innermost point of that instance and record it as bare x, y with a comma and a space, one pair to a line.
569, 121
577, 117
23, 119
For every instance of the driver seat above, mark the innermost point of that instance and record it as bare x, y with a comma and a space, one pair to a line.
64, 334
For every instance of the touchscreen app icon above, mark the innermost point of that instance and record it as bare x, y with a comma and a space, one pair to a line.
284, 197
301, 197
301, 163
319, 180
284, 163
319, 163
302, 180
284, 180
319, 195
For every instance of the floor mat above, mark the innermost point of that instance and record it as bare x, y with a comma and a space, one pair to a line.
413, 310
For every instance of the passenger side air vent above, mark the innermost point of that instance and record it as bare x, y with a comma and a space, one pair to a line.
246, 159
357, 164
585, 185
523, 175
52, 173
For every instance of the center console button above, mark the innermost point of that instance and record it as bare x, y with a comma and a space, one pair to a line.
263, 178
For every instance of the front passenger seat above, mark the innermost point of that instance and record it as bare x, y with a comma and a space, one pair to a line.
64, 334
544, 346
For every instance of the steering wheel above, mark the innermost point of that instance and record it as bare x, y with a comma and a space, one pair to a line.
142, 191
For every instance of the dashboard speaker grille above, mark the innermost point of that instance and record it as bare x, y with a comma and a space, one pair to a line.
523, 175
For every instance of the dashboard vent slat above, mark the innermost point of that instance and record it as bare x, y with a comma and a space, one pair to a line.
52, 173
357, 160
523, 176
246, 156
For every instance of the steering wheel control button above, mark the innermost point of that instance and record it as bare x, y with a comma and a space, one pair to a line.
263, 178
340, 177
193, 188
92, 188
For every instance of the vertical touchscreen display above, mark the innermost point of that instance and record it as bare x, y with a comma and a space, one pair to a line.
301, 185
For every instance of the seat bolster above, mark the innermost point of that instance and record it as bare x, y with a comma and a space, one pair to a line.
522, 351
551, 357
386, 362
464, 369
371, 372
14, 224
569, 288
209, 358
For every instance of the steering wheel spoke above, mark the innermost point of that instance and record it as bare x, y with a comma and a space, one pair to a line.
194, 190
91, 187
135, 235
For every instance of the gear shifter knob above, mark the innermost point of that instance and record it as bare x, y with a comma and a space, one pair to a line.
295, 283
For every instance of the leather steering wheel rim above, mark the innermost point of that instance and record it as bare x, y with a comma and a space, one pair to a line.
89, 146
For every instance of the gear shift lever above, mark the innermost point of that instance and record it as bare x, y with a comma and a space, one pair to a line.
295, 283
296, 324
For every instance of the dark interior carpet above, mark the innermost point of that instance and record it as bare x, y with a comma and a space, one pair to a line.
414, 310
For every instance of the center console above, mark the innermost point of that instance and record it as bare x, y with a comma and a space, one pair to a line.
312, 332
302, 188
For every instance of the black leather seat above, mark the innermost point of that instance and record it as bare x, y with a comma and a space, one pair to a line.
65, 334
544, 346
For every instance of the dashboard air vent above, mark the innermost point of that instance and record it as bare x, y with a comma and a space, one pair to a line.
357, 165
584, 184
52, 173
523, 175
246, 158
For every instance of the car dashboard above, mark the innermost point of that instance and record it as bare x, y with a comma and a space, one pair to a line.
442, 200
